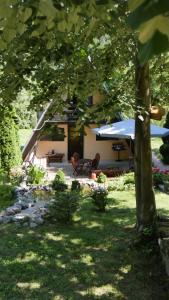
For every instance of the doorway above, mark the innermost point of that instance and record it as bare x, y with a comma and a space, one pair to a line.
75, 140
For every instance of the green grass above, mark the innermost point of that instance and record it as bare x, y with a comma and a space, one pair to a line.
24, 135
90, 259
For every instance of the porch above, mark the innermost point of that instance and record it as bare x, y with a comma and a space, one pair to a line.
66, 167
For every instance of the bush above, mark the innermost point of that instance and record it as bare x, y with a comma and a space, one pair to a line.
3, 177
99, 197
16, 175
122, 183
75, 185
64, 207
10, 154
129, 178
59, 183
102, 178
59, 186
35, 175
159, 177
6, 195
164, 150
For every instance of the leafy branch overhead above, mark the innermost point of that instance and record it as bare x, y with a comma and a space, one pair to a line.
151, 19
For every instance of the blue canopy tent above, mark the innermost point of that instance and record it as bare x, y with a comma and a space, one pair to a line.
126, 130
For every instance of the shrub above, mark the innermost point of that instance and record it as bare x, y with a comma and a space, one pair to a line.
129, 178
75, 185
64, 207
102, 178
159, 177
99, 197
59, 186
10, 154
122, 183
16, 175
59, 183
35, 175
164, 150
3, 177
6, 195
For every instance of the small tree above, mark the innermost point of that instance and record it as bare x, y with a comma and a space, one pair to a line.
10, 154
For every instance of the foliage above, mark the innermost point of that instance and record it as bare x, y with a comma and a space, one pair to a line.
10, 155
16, 175
64, 206
6, 195
164, 150
122, 183
35, 175
27, 117
59, 182
59, 186
60, 176
99, 197
24, 135
75, 185
152, 21
3, 177
102, 178
159, 177
129, 178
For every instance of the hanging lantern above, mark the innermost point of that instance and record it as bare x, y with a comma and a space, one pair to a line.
157, 112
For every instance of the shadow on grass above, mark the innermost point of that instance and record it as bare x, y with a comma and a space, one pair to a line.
91, 259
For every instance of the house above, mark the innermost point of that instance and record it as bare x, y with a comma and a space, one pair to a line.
61, 135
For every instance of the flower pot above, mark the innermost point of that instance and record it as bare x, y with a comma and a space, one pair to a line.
93, 176
157, 112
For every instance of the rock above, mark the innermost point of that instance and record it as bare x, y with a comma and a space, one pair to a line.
1, 219
7, 219
43, 210
10, 211
38, 220
21, 218
17, 209
33, 225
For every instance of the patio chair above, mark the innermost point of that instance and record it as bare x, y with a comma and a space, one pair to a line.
75, 164
93, 165
95, 162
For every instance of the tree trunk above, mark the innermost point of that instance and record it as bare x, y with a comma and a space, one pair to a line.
145, 200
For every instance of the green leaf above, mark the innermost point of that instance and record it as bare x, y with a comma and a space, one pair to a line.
147, 30
3, 45
133, 4
9, 34
157, 44
46, 8
26, 14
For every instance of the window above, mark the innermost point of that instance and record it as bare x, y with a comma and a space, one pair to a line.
52, 132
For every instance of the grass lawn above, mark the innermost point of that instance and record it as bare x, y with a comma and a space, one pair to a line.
90, 259
24, 135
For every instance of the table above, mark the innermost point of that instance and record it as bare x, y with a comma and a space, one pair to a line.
83, 164
54, 157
